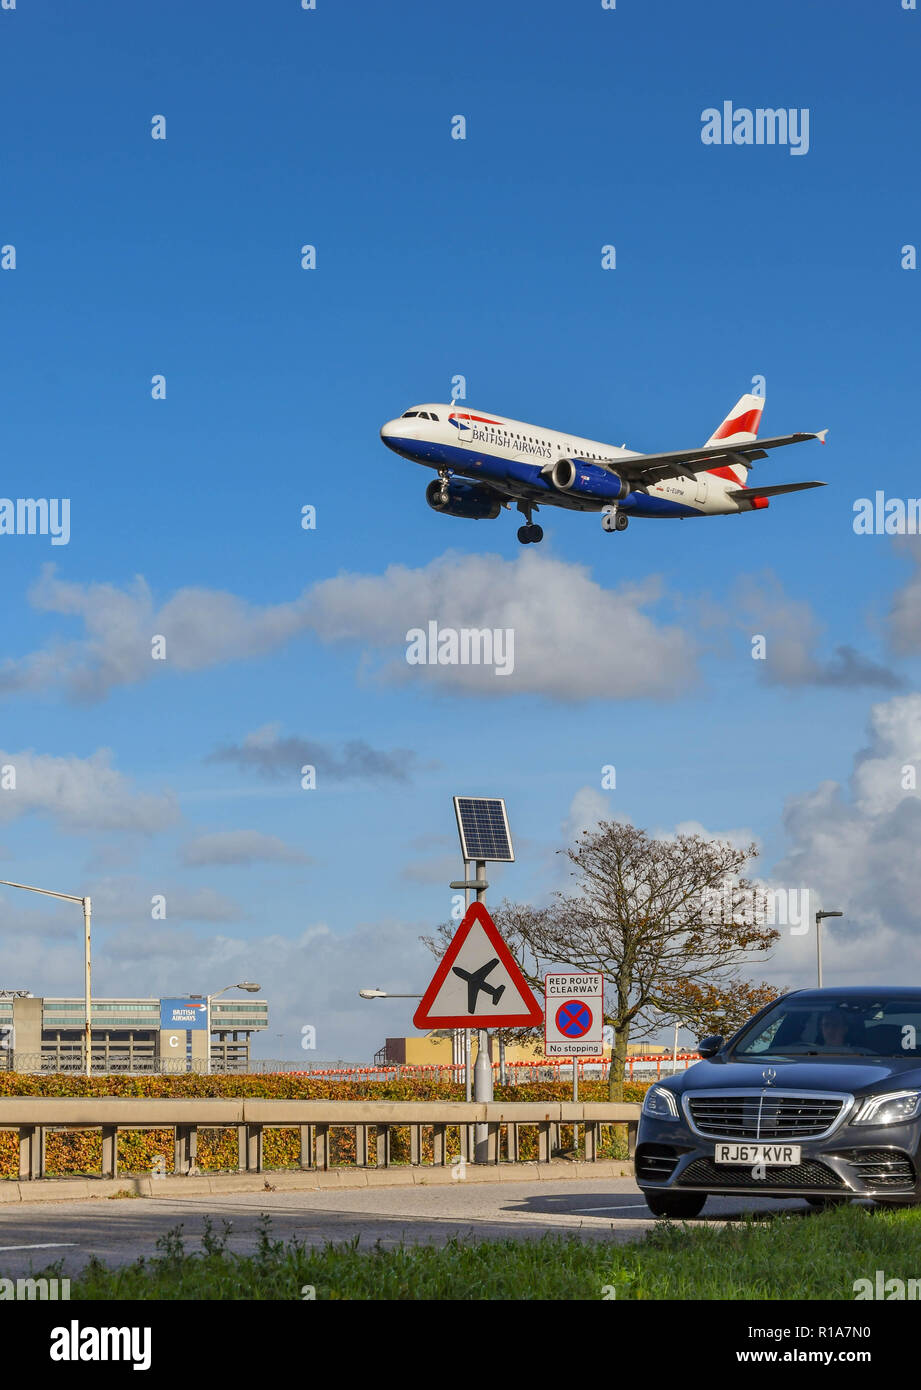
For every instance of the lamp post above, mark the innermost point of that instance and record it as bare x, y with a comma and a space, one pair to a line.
819, 917
245, 984
87, 905
385, 994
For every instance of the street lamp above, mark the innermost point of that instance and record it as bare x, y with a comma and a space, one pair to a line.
87, 910
384, 994
245, 984
819, 917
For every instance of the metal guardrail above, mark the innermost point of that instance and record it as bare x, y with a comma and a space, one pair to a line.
33, 1117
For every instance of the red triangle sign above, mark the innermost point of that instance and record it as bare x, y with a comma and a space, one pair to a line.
478, 983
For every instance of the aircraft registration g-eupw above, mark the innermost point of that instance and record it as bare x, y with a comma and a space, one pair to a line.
486, 462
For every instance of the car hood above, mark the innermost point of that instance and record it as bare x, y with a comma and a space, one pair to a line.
833, 1074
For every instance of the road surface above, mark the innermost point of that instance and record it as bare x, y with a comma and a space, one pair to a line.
120, 1230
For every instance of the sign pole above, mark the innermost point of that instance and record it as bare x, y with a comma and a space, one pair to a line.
87, 990
468, 1074
482, 1072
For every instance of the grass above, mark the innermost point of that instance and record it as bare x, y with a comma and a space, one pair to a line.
800, 1256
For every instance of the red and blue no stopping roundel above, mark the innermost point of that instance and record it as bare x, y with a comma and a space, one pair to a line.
574, 1018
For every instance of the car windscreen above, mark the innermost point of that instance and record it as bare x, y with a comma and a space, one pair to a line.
883, 1026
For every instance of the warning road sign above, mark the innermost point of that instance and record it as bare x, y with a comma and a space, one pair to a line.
574, 1014
478, 983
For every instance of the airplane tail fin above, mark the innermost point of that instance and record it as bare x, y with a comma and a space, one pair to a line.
739, 427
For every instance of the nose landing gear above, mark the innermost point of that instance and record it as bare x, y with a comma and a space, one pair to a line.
445, 475
613, 519
531, 533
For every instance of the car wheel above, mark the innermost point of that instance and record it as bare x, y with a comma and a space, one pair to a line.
678, 1205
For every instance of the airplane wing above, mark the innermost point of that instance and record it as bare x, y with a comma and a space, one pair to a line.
687, 463
744, 494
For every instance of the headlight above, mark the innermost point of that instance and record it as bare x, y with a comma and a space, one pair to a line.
890, 1109
660, 1104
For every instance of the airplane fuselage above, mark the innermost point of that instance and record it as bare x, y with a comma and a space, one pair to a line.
509, 455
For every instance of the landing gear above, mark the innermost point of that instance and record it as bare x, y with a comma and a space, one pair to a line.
445, 476
531, 533
613, 519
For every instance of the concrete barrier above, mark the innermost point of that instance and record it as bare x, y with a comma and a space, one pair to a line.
33, 1117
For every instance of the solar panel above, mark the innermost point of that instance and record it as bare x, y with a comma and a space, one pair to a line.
482, 824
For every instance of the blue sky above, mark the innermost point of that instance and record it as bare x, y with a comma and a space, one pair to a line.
435, 257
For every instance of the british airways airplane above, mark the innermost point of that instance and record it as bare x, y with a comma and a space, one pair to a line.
486, 462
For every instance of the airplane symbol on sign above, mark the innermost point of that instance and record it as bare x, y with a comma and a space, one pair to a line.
476, 981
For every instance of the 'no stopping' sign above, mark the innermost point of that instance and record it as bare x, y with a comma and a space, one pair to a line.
574, 1014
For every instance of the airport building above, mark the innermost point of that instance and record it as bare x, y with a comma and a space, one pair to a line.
129, 1035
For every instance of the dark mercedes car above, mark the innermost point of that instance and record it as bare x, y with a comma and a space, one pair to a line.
817, 1097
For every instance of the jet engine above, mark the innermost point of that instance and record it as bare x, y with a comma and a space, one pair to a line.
586, 480
458, 498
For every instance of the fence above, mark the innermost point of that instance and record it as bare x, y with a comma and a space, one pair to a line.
33, 1117
517, 1073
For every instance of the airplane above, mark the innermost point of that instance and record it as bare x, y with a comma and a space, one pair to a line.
485, 462
476, 981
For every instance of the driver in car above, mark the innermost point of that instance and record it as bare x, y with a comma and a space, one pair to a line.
834, 1029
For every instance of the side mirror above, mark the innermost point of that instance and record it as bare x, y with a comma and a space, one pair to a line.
709, 1047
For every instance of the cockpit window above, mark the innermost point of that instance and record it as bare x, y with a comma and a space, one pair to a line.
432, 415
409, 414
423, 415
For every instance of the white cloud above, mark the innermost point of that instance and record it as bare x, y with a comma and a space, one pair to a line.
859, 853
81, 794
201, 627
574, 639
310, 980
587, 808
241, 847
792, 634
129, 901
904, 617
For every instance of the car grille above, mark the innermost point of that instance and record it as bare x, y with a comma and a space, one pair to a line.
880, 1167
655, 1162
703, 1172
773, 1115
